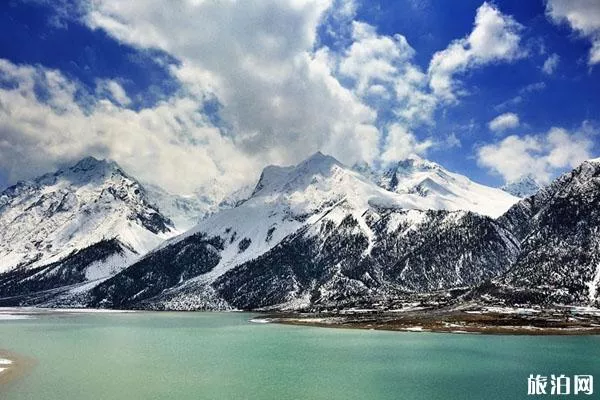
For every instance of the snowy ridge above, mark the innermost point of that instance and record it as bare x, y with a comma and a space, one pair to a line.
317, 201
316, 234
439, 189
186, 211
288, 198
522, 187
560, 242
44, 220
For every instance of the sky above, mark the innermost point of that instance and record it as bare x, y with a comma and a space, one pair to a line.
188, 94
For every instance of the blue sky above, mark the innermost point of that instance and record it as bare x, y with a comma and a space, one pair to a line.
188, 93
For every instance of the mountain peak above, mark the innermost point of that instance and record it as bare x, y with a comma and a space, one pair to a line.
522, 187
415, 163
91, 162
88, 169
283, 179
319, 159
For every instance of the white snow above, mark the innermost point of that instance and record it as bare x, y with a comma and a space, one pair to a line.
113, 264
523, 187
6, 363
434, 187
593, 284
301, 199
414, 329
260, 321
188, 210
59, 213
321, 189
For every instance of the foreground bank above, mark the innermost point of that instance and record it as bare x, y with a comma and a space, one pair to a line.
492, 320
13, 366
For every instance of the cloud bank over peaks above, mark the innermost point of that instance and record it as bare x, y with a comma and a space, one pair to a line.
277, 91
279, 94
542, 156
43, 124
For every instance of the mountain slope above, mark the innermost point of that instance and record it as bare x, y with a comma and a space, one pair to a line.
559, 260
440, 189
522, 187
317, 232
329, 265
81, 223
186, 211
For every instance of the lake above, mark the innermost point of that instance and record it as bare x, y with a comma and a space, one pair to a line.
224, 356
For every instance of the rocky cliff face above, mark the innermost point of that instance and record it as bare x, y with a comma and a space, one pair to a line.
82, 223
523, 187
558, 230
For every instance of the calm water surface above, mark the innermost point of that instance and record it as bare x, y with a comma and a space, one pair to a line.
223, 356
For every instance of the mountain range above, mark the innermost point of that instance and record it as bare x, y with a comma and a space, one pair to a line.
317, 235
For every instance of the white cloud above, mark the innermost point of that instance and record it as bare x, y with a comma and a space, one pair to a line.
452, 141
280, 99
551, 64
503, 122
279, 95
171, 140
114, 90
401, 143
582, 16
382, 68
495, 37
541, 156
372, 58
279, 89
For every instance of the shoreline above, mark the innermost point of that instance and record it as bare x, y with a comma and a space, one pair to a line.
488, 320
530, 322
14, 366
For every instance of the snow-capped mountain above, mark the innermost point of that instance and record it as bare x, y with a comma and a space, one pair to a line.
315, 235
91, 217
558, 229
439, 188
186, 211
523, 187
305, 231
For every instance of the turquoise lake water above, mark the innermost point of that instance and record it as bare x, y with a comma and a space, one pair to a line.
223, 356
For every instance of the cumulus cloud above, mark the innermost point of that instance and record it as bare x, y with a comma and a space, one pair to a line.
278, 96
382, 67
171, 140
495, 37
551, 64
114, 90
372, 58
583, 16
503, 122
539, 155
277, 93
401, 143
281, 93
